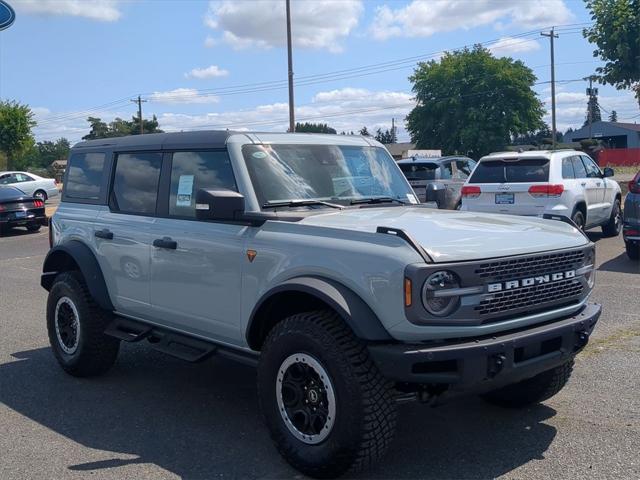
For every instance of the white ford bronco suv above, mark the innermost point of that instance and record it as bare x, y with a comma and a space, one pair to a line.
309, 256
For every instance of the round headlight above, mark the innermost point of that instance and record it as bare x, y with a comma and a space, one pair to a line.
435, 298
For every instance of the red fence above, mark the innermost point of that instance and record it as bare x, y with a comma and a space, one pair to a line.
619, 157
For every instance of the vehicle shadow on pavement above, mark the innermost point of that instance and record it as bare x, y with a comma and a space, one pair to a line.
622, 264
202, 421
20, 232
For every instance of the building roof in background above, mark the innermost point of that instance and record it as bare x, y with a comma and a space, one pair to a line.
398, 149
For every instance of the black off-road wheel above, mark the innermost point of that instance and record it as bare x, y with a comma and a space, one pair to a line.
614, 225
76, 325
533, 390
327, 407
34, 227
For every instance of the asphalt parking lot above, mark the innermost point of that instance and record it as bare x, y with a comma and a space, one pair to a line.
156, 417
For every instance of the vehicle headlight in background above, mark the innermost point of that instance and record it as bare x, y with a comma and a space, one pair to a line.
436, 298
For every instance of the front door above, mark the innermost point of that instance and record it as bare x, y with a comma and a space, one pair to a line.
196, 266
595, 189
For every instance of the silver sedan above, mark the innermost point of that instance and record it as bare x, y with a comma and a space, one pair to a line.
31, 184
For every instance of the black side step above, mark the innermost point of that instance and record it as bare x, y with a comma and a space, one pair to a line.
175, 344
127, 330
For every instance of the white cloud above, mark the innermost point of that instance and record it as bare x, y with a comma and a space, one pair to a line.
509, 45
210, 42
212, 71
422, 18
318, 24
182, 95
101, 10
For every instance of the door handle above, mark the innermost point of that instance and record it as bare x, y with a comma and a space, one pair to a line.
165, 242
584, 184
104, 233
598, 183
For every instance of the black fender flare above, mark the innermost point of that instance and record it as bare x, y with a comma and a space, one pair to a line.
348, 305
73, 255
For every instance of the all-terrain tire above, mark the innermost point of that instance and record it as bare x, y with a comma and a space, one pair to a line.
91, 352
533, 390
614, 225
34, 227
365, 414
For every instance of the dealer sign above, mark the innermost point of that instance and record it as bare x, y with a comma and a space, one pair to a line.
7, 15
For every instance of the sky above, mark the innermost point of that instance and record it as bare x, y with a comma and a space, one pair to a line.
223, 64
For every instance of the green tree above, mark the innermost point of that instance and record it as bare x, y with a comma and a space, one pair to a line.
613, 116
314, 128
120, 127
16, 122
593, 109
364, 132
386, 137
473, 103
616, 34
42, 154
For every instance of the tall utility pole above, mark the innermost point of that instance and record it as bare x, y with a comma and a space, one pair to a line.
292, 118
393, 130
592, 93
139, 102
551, 36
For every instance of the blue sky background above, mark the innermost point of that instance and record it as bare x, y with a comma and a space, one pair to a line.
69, 59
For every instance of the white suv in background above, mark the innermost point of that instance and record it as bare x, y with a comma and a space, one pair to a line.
563, 183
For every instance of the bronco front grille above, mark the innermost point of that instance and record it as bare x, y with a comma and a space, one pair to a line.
532, 296
530, 266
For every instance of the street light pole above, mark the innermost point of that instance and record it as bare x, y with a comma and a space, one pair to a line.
292, 119
551, 36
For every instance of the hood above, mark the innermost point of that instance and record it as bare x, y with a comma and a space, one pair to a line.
453, 236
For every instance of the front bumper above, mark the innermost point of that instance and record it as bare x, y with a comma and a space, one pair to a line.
489, 362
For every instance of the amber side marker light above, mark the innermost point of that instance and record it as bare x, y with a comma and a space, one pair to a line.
407, 292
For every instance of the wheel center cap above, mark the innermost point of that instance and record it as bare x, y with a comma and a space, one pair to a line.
313, 396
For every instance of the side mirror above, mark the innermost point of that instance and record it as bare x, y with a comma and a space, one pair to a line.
219, 204
608, 172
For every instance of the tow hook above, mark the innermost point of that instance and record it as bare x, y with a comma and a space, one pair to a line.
495, 363
582, 338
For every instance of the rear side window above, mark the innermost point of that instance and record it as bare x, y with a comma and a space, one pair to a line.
465, 167
522, 170
135, 183
446, 171
192, 171
84, 176
567, 168
419, 171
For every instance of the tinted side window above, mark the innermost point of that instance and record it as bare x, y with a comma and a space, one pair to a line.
84, 176
135, 184
192, 171
567, 168
578, 167
8, 179
464, 169
593, 171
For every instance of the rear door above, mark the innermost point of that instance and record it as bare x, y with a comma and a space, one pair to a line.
597, 209
123, 231
504, 185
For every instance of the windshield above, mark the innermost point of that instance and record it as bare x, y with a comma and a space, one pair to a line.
419, 171
333, 173
511, 171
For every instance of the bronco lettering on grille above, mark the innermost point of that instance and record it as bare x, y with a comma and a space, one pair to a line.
527, 282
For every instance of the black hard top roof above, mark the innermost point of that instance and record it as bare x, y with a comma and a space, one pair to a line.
197, 139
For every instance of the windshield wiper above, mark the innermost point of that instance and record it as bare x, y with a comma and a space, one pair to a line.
372, 200
300, 203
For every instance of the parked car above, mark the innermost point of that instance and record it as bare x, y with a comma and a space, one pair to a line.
31, 184
438, 180
631, 222
564, 183
17, 209
309, 256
